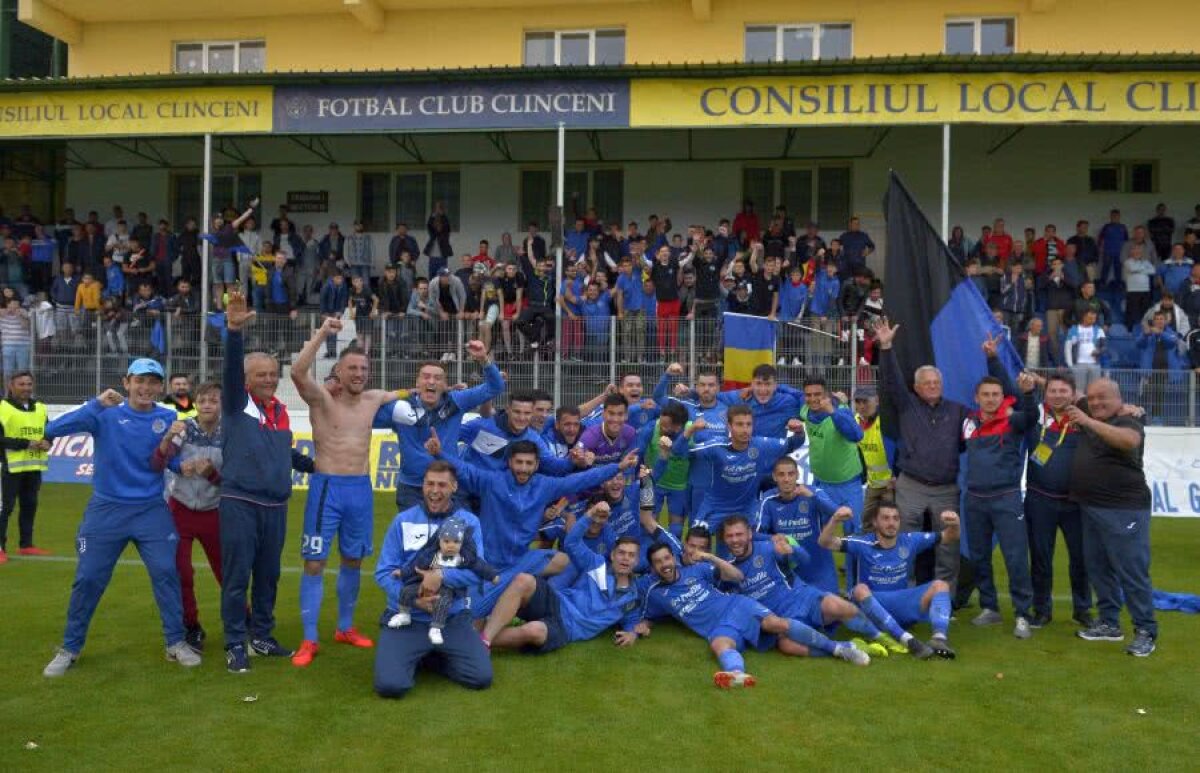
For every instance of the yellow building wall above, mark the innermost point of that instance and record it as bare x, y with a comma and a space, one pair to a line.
657, 31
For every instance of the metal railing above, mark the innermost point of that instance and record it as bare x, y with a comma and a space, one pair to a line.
75, 356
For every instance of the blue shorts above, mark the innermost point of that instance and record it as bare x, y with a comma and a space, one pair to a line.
849, 494
677, 501
804, 604
741, 622
338, 504
543, 607
904, 605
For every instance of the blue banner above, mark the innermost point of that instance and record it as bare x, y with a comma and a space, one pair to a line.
516, 104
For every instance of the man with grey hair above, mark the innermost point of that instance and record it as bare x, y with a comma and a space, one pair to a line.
1109, 483
256, 482
930, 428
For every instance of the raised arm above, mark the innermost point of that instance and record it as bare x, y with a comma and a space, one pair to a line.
233, 388
242, 217
493, 380
313, 393
830, 539
728, 572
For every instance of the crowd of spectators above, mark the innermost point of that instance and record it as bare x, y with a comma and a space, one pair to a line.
1129, 296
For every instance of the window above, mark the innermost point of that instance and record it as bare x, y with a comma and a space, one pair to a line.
415, 192
221, 56
820, 193
603, 189
229, 191
981, 36
574, 48
798, 42
1123, 177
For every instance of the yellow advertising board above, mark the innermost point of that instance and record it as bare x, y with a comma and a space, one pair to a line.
383, 465
874, 100
136, 112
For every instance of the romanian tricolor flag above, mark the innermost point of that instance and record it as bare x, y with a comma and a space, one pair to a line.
749, 342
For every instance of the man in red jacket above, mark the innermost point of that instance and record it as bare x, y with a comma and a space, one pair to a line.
1046, 249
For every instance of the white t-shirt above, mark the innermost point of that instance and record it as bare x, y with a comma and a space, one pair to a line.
1085, 340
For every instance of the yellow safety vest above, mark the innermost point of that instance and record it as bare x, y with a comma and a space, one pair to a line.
874, 454
26, 425
183, 415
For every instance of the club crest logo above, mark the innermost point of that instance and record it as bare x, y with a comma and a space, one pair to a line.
758, 562
903, 552
159, 426
752, 453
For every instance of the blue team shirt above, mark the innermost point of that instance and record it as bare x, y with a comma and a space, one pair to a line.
771, 417
445, 417
594, 602
802, 519
763, 580
735, 473
692, 599
700, 471
124, 440
888, 568
511, 512
630, 288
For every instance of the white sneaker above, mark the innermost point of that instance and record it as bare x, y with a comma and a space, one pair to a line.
782, 361
59, 665
796, 362
448, 357
1022, 630
435, 637
852, 654
184, 655
399, 620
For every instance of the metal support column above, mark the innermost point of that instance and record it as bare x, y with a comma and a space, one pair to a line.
205, 257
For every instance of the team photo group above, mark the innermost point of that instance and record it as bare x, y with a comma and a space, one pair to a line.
533, 526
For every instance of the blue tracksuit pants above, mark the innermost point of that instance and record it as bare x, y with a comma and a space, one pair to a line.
106, 529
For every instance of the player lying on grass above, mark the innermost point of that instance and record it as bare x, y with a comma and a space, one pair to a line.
603, 593
885, 562
728, 622
763, 580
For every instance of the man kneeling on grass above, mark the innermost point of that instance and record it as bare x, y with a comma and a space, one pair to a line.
728, 623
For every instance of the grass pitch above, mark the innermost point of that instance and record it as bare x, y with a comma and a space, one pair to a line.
1053, 702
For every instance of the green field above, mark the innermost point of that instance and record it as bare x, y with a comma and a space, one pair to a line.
1053, 702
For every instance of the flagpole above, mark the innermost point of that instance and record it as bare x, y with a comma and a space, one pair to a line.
205, 255
946, 182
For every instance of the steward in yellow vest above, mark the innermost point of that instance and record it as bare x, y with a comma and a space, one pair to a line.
877, 453
23, 450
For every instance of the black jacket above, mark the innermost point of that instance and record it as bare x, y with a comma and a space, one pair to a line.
930, 435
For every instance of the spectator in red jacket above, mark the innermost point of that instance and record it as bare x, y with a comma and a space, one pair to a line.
746, 225
1046, 249
1002, 240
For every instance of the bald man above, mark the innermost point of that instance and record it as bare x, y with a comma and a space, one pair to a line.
1108, 482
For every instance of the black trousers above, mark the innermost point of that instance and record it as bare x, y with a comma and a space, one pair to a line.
19, 487
536, 323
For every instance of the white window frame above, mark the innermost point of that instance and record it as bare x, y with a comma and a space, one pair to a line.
977, 28
206, 44
558, 35
813, 27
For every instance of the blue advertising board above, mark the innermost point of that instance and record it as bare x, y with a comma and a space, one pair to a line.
511, 104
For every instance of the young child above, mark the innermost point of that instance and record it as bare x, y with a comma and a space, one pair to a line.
450, 550
191, 453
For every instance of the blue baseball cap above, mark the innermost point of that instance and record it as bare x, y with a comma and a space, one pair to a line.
144, 366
